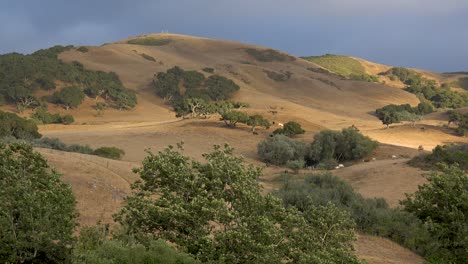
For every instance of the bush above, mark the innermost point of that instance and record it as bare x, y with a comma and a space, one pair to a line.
344, 145
47, 118
278, 76
68, 97
296, 165
290, 129
18, 127
67, 119
280, 149
208, 70
372, 216
150, 41
147, 57
115, 251
451, 155
364, 77
82, 49
268, 55
109, 152
220, 88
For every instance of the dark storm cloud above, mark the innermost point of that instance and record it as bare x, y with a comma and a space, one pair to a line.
428, 34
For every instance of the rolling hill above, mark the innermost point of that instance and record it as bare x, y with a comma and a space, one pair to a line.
313, 94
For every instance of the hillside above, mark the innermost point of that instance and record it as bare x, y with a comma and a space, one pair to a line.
347, 66
276, 85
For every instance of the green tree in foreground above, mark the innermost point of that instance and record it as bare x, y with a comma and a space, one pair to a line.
216, 212
258, 120
37, 210
231, 118
442, 204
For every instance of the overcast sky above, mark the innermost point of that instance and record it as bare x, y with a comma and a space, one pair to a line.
428, 34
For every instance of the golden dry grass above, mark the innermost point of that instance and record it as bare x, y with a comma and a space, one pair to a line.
317, 101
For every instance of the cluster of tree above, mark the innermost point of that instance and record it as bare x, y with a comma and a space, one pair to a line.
22, 75
391, 114
189, 91
451, 155
290, 129
11, 125
328, 148
215, 212
232, 118
425, 224
461, 120
440, 97
44, 117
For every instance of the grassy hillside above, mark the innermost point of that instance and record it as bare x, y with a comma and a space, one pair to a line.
341, 65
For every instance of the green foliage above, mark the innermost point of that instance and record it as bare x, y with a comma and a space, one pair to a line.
296, 165
147, 57
109, 152
391, 114
280, 149
150, 41
290, 129
341, 65
215, 211
268, 55
442, 204
344, 145
364, 77
406, 76
278, 76
220, 88
37, 216
45, 117
258, 120
208, 70
82, 49
21, 75
463, 83
189, 90
18, 127
461, 120
69, 97
372, 216
451, 155
231, 118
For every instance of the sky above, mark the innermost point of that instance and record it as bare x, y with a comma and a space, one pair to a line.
426, 34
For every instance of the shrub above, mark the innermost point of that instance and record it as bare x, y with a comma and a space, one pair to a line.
109, 152
280, 149
278, 76
372, 216
67, 119
364, 77
451, 155
296, 165
268, 55
47, 118
290, 129
208, 70
147, 57
18, 127
344, 145
220, 88
82, 49
69, 97
150, 41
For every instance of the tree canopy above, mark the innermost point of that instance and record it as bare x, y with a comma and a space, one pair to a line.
215, 211
37, 210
